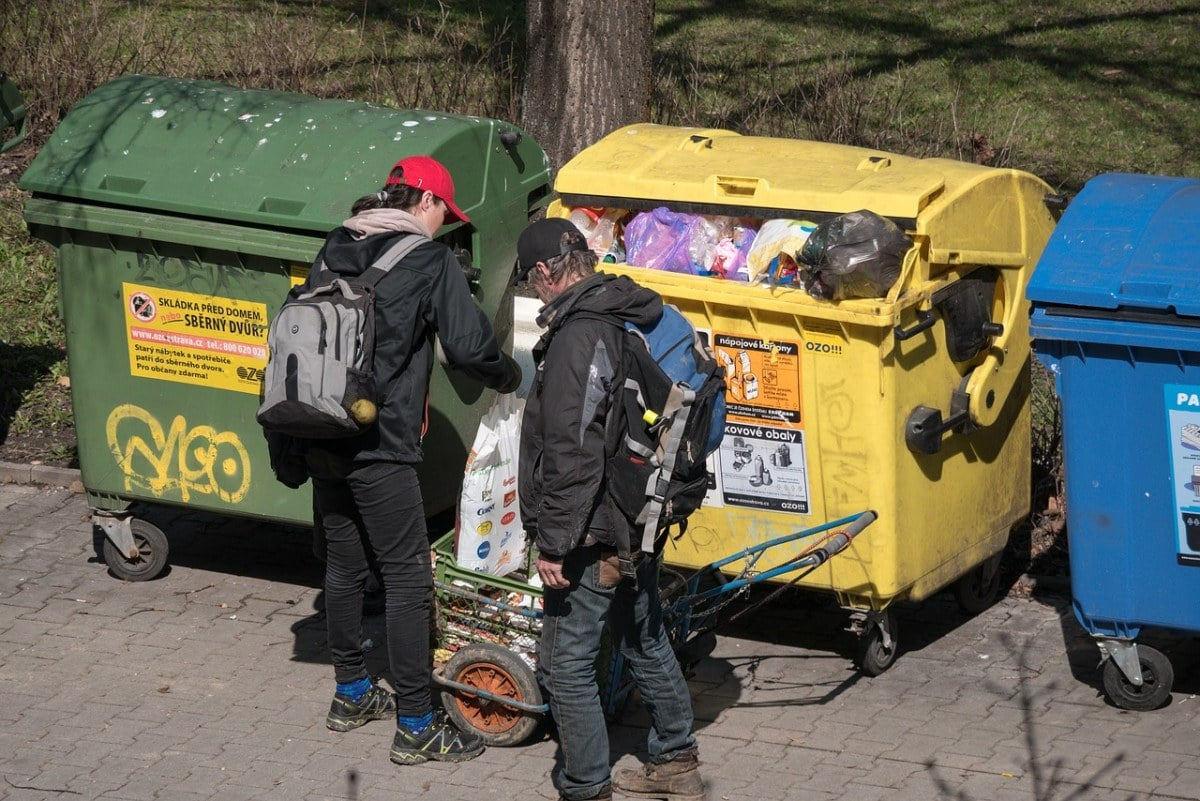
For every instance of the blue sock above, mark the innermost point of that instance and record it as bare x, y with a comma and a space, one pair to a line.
415, 723
354, 690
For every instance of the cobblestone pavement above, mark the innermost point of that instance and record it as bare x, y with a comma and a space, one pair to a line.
213, 682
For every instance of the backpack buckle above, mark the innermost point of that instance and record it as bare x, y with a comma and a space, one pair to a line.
656, 422
627, 564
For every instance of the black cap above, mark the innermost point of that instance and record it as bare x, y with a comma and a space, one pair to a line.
545, 239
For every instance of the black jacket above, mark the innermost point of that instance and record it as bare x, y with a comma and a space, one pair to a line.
425, 294
563, 431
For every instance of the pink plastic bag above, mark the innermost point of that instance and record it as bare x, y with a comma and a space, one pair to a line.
730, 254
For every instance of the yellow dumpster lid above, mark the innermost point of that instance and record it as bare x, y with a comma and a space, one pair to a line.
711, 170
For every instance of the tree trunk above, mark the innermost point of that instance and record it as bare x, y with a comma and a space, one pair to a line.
588, 71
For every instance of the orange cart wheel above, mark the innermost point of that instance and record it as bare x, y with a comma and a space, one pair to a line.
500, 672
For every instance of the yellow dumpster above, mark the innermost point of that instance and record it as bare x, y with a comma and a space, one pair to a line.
914, 405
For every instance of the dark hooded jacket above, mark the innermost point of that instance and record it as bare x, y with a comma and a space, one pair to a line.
563, 432
426, 294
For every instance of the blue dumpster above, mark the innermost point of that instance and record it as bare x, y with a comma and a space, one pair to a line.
1116, 318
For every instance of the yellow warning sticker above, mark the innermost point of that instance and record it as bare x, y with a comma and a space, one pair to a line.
187, 338
297, 273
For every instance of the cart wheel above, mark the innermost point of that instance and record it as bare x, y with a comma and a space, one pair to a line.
976, 591
501, 672
873, 656
1157, 678
152, 553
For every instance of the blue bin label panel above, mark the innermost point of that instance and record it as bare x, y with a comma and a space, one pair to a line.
1183, 427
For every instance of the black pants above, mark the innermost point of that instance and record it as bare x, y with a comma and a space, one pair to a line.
372, 513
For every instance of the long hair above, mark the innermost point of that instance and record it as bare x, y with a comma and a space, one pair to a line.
579, 263
397, 196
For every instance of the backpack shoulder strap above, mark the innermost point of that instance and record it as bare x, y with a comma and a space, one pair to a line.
373, 274
390, 258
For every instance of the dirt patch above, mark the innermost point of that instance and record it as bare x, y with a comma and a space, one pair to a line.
14, 163
50, 444
38, 447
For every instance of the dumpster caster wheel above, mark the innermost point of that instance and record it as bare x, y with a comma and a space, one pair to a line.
1157, 678
152, 553
501, 672
977, 590
877, 649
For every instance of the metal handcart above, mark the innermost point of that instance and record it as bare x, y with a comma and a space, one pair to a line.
488, 626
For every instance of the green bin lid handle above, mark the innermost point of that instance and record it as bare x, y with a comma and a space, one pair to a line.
13, 113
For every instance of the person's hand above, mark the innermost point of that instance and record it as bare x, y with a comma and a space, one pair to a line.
551, 573
515, 376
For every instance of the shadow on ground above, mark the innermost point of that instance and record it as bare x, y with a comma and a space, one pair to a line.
814, 622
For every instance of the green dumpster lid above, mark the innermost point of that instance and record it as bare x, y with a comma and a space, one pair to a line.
267, 158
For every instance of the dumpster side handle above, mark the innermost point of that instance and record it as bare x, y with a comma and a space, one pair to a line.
990, 384
1056, 203
926, 319
925, 426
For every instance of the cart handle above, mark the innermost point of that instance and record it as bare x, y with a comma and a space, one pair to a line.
533, 709
850, 521
835, 545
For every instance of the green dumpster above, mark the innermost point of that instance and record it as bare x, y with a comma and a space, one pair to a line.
182, 211
14, 122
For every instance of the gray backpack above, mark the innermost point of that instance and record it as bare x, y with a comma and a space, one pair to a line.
320, 381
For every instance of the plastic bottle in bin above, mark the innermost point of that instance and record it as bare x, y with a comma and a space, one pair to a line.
598, 226
705, 234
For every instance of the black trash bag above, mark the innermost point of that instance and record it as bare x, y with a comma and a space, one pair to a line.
854, 255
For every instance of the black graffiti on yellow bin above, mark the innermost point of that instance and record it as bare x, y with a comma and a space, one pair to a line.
186, 460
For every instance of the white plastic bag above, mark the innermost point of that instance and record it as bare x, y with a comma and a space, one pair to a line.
776, 237
489, 536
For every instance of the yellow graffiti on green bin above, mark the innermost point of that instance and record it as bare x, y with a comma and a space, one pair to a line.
190, 460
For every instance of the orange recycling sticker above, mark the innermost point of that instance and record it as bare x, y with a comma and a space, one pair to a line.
762, 379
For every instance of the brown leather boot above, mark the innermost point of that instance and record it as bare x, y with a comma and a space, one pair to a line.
677, 780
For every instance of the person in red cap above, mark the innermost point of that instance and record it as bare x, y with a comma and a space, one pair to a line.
366, 497
427, 174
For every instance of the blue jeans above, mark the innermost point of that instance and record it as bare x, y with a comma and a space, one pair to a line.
571, 632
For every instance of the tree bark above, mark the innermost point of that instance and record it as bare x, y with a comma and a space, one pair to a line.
588, 71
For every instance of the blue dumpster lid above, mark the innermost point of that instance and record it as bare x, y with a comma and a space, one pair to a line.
1126, 241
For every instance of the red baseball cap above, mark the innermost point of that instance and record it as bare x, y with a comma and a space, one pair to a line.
426, 172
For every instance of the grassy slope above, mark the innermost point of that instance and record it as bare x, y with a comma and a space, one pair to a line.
1078, 87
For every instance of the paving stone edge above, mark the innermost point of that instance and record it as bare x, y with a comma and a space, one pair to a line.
40, 475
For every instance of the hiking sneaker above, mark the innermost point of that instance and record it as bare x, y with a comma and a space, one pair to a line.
345, 714
441, 741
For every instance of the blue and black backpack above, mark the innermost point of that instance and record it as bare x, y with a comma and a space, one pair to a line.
666, 417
